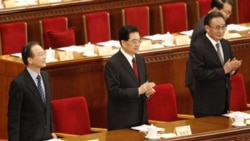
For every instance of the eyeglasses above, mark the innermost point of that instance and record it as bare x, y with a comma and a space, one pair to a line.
219, 27
135, 41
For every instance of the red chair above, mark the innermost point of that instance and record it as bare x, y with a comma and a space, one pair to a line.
55, 33
71, 117
138, 16
162, 105
203, 7
238, 99
173, 17
96, 27
13, 37
243, 10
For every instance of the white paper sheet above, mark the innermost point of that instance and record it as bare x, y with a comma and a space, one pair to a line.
232, 114
79, 49
155, 37
17, 54
189, 32
237, 27
111, 43
144, 128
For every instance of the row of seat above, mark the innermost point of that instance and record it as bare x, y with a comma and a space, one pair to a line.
56, 33
161, 107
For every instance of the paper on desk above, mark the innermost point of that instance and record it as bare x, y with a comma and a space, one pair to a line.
79, 49
111, 43
237, 27
55, 139
144, 128
155, 37
16, 55
232, 114
189, 32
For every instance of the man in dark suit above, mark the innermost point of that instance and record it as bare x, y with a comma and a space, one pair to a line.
222, 6
127, 83
29, 109
213, 62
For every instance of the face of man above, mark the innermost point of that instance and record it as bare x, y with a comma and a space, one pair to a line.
39, 57
132, 45
216, 29
226, 11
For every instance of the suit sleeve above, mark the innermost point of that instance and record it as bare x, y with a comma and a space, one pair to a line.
14, 111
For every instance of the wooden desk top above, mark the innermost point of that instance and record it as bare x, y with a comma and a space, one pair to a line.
218, 128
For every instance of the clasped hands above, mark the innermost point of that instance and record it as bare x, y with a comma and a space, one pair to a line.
147, 88
232, 65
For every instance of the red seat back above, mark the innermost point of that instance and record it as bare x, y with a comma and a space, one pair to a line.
56, 24
162, 105
173, 17
203, 7
137, 16
13, 37
96, 27
238, 99
71, 115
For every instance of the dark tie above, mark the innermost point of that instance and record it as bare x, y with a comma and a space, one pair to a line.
135, 68
219, 53
40, 89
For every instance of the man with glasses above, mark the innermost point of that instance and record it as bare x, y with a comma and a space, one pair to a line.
225, 8
127, 83
29, 109
212, 62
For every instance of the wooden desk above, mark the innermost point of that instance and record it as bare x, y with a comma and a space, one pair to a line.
84, 77
208, 128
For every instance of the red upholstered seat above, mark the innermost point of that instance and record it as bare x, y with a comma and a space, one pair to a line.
138, 16
55, 33
238, 99
173, 17
162, 105
96, 27
71, 116
243, 11
13, 37
203, 7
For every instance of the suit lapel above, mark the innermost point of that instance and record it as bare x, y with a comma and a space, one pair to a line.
127, 66
212, 50
32, 86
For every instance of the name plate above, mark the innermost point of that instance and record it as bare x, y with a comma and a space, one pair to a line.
9, 3
183, 130
102, 51
146, 45
67, 55
182, 40
43, 1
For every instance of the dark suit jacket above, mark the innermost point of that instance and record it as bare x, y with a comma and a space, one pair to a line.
198, 31
211, 87
125, 107
28, 118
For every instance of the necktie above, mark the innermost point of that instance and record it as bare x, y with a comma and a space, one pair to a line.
40, 89
135, 68
219, 53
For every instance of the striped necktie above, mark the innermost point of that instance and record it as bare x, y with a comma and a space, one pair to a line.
40, 89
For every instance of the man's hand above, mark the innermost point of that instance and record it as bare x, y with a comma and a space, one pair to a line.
147, 88
232, 65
